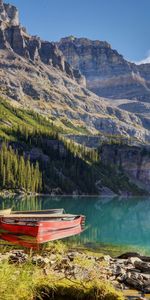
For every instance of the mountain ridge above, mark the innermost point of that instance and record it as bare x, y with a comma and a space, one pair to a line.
35, 74
109, 75
99, 63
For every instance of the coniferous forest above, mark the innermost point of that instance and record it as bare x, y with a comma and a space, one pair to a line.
36, 156
16, 172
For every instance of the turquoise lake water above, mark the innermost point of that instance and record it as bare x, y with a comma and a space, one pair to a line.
111, 223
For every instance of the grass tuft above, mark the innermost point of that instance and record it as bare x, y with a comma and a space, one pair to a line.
28, 282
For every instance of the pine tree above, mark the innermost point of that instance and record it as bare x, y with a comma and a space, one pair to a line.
17, 172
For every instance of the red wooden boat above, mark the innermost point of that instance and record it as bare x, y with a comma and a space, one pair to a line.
38, 225
29, 242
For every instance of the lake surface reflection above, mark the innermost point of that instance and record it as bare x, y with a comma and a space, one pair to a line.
111, 222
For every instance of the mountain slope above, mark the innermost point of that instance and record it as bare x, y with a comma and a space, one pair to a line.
34, 137
35, 74
35, 149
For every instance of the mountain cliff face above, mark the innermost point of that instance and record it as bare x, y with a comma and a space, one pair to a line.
9, 14
35, 74
107, 73
134, 161
14, 37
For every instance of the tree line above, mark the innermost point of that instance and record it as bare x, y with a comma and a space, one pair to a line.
17, 172
60, 163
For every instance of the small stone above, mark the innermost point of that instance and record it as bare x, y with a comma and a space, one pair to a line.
119, 261
64, 260
122, 278
132, 260
146, 276
40, 261
118, 270
46, 260
71, 256
17, 256
52, 262
142, 266
106, 258
53, 257
112, 278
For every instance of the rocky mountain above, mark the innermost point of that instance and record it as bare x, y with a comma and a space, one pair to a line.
134, 161
14, 37
108, 74
34, 74
36, 77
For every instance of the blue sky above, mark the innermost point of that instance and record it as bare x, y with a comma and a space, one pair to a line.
125, 24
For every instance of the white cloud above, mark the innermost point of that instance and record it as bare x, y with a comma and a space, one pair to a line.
145, 60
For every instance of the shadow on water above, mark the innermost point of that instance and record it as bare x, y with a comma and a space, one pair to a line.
116, 224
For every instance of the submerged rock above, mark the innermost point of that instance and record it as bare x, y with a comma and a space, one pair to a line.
128, 255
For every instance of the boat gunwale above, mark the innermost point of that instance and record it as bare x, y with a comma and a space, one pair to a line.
36, 223
46, 216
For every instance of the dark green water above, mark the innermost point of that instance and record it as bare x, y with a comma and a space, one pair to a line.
117, 224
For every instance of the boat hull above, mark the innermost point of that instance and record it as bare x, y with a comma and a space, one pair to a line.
37, 228
34, 242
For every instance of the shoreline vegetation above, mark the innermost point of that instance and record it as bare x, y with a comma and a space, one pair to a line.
60, 271
57, 272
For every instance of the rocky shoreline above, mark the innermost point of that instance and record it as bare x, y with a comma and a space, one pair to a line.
128, 271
